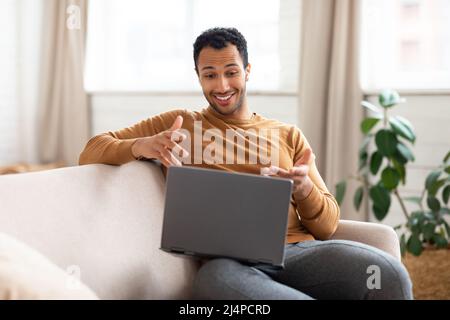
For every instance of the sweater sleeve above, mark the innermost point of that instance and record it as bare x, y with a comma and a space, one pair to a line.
319, 211
115, 147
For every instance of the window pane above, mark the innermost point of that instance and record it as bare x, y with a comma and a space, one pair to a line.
406, 44
141, 45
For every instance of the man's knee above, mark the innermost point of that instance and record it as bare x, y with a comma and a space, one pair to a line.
388, 279
213, 276
367, 272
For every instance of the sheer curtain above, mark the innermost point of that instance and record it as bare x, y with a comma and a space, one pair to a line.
20, 25
330, 92
63, 122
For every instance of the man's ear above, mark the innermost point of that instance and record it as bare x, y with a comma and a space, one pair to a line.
247, 71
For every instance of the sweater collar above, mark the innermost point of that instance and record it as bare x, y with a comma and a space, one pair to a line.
213, 113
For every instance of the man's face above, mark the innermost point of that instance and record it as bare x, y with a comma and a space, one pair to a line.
223, 78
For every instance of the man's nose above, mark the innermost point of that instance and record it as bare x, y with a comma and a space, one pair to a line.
223, 85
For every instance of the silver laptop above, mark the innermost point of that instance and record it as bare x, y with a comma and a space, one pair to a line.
212, 213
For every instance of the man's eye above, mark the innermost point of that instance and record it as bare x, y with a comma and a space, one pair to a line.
232, 73
209, 76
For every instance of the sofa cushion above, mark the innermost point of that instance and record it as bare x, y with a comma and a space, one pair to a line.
27, 274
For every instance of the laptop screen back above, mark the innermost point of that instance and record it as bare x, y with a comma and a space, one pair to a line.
220, 214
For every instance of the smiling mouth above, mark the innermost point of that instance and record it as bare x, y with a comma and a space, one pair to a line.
223, 99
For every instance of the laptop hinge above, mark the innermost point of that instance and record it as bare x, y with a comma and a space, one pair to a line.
177, 250
257, 261
265, 261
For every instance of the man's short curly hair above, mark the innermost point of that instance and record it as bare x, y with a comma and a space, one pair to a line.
219, 38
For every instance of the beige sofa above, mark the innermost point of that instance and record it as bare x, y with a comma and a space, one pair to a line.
106, 221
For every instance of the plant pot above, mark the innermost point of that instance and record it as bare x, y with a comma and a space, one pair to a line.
430, 273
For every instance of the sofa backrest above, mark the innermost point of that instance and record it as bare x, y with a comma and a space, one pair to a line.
104, 221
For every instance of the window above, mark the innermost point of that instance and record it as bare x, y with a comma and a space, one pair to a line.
141, 45
406, 44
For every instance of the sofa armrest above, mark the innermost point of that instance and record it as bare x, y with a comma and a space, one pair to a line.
377, 235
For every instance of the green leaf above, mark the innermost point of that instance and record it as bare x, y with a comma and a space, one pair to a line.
413, 199
378, 111
340, 191
397, 156
367, 124
380, 213
381, 201
386, 142
357, 199
400, 129
407, 125
389, 98
401, 170
447, 169
429, 216
414, 245
428, 231
390, 178
434, 188
415, 221
375, 162
446, 194
431, 178
447, 228
405, 152
433, 203
362, 160
441, 231
440, 241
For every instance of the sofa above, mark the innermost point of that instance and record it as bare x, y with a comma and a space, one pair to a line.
105, 221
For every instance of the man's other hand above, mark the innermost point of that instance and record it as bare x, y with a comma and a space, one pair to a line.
298, 174
162, 146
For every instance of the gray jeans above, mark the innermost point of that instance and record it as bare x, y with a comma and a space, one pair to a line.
332, 269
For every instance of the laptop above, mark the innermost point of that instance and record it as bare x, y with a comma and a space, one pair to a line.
213, 213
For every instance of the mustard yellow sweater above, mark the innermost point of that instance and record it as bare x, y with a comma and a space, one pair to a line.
315, 217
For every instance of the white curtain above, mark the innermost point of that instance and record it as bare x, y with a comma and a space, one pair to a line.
20, 25
63, 127
330, 94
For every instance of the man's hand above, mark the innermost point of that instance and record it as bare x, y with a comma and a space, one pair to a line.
299, 174
163, 145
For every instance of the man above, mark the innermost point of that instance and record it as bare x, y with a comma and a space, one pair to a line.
315, 268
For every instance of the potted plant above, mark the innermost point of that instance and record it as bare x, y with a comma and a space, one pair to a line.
381, 172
